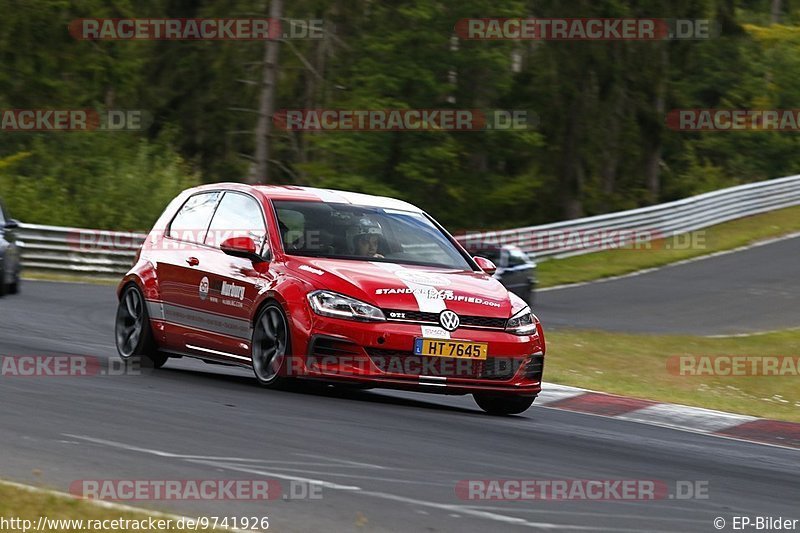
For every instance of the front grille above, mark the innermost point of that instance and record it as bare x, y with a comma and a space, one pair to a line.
483, 322
402, 362
422, 317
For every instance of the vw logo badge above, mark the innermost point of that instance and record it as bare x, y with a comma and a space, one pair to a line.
449, 320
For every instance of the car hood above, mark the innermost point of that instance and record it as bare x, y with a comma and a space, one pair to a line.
407, 287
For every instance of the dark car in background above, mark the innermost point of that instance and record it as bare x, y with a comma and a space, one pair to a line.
516, 270
9, 254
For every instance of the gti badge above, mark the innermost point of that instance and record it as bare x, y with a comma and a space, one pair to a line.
449, 320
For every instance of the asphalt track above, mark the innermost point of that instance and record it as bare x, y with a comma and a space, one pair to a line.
387, 461
749, 291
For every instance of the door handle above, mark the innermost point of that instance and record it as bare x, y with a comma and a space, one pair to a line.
193, 261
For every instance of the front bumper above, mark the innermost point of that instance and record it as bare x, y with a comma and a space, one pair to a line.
380, 354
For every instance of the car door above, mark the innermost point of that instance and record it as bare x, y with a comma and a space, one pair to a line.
233, 284
180, 259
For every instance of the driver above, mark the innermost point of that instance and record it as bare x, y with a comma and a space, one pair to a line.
367, 238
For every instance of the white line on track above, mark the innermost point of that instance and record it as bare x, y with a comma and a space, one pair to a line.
344, 462
335, 474
270, 473
676, 263
452, 508
642, 517
510, 520
751, 334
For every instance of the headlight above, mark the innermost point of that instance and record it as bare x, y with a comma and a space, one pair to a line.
522, 323
327, 303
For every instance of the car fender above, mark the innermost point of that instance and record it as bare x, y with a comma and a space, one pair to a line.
286, 289
143, 274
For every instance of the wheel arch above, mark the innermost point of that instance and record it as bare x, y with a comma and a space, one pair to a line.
144, 276
298, 315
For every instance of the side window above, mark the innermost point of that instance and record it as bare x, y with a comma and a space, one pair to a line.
517, 258
192, 220
237, 215
292, 225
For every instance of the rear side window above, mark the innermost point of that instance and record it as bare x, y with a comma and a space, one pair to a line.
192, 220
237, 215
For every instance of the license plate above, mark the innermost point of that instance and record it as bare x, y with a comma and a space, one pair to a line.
448, 348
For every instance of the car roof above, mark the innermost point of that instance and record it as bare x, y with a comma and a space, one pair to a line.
313, 194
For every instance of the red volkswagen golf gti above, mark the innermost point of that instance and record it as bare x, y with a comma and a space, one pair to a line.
337, 286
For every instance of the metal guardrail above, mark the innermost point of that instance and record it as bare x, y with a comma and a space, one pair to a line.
109, 253
662, 220
77, 250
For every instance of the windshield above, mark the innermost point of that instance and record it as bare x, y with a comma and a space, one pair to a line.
345, 231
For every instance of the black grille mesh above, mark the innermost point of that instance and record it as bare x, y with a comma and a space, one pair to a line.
433, 318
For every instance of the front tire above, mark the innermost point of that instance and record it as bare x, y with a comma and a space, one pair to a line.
271, 344
132, 332
496, 404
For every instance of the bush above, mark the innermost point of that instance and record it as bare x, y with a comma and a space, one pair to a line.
107, 181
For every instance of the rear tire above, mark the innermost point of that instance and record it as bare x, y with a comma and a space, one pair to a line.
134, 338
496, 404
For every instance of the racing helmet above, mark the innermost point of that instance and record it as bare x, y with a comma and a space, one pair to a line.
365, 227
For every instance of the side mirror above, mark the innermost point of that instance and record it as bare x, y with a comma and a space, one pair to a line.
12, 224
241, 247
485, 264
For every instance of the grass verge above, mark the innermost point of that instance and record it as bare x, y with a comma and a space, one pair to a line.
22, 504
636, 365
717, 238
40, 275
